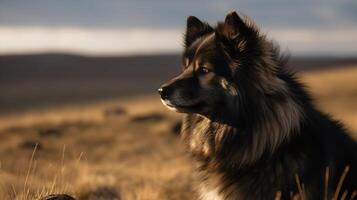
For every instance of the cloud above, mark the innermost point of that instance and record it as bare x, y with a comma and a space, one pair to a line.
317, 41
172, 14
89, 41
97, 41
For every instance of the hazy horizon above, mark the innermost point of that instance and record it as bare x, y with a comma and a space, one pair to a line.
322, 27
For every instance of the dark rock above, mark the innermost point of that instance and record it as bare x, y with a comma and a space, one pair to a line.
80, 124
153, 117
54, 132
176, 128
57, 197
113, 112
31, 145
103, 192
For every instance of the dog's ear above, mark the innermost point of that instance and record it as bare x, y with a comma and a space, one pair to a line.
195, 28
235, 25
235, 31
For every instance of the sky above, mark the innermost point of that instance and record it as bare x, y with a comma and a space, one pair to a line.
122, 27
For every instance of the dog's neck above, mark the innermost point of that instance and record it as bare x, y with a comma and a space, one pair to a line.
212, 140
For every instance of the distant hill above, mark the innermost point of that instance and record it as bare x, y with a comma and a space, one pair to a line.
32, 81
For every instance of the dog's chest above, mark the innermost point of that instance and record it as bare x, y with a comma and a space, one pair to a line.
209, 194
213, 187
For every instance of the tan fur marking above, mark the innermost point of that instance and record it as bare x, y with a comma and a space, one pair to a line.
209, 37
227, 86
186, 62
241, 46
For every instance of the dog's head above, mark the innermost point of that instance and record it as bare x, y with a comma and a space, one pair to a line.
217, 65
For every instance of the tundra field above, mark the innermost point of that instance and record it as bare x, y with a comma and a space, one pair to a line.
124, 148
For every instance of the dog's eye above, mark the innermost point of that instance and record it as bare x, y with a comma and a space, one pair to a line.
203, 70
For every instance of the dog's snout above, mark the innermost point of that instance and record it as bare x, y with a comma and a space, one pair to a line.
168, 88
164, 92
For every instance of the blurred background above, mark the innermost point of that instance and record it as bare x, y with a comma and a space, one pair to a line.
78, 83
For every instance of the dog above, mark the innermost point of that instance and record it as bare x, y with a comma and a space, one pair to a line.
250, 125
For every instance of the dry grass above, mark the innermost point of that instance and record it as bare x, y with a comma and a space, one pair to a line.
336, 195
132, 154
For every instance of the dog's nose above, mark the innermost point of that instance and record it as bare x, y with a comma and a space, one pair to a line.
163, 91
160, 91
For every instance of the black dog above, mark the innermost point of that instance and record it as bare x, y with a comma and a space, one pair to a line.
250, 124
